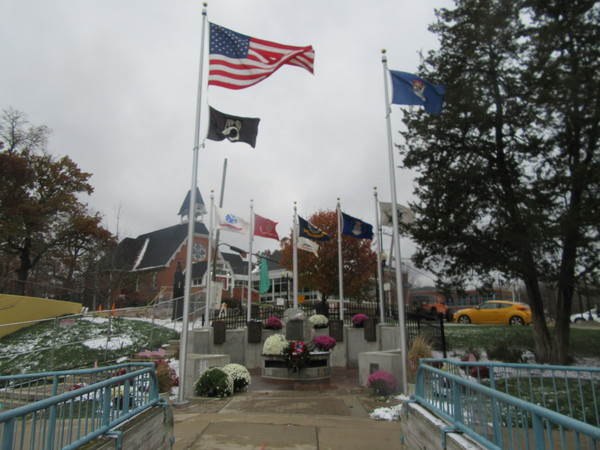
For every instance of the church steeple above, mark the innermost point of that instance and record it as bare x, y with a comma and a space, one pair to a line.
185, 206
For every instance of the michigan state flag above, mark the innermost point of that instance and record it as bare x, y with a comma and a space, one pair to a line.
409, 89
233, 128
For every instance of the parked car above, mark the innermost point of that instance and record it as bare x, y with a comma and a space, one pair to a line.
586, 316
495, 311
434, 309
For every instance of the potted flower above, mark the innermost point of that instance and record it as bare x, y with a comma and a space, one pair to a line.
324, 343
214, 382
318, 321
358, 320
272, 323
240, 376
382, 383
275, 345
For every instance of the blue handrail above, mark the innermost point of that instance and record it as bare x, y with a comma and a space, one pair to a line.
78, 414
502, 420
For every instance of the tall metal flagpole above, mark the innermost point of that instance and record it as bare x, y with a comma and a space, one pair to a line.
295, 257
251, 233
218, 232
340, 262
399, 287
209, 263
379, 271
191, 224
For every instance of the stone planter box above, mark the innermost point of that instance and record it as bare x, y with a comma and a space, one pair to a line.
274, 366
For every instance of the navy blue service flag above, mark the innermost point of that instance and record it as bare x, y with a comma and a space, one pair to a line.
410, 89
356, 228
234, 128
308, 230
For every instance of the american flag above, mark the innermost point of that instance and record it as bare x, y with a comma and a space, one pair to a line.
238, 61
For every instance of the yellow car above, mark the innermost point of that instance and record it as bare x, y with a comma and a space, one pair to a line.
495, 311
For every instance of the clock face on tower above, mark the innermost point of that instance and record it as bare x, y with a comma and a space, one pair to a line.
199, 252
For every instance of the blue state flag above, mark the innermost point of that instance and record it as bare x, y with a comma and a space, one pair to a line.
356, 228
308, 230
409, 89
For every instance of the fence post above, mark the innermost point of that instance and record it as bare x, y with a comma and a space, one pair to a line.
108, 333
54, 339
442, 335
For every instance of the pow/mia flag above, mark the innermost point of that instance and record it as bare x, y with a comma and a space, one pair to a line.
235, 129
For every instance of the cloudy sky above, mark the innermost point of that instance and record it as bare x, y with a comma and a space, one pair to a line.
116, 81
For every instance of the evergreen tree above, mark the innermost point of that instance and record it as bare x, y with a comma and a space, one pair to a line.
508, 173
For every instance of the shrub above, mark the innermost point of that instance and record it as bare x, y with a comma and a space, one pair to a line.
358, 320
318, 321
419, 348
505, 351
272, 323
382, 383
324, 343
275, 345
214, 382
240, 375
165, 376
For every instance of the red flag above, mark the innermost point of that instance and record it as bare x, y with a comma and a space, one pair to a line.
264, 227
238, 61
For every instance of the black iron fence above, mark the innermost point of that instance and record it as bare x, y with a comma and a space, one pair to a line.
416, 321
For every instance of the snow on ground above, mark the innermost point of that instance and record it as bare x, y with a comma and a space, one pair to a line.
391, 413
115, 343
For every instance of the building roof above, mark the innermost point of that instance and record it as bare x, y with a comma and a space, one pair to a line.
155, 249
238, 265
198, 269
185, 206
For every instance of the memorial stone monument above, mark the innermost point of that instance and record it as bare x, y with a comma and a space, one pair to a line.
296, 325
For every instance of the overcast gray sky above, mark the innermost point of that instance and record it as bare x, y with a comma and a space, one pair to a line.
116, 81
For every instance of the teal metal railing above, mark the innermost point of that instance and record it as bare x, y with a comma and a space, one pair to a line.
514, 406
67, 409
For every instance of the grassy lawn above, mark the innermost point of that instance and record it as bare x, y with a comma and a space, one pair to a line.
460, 338
78, 344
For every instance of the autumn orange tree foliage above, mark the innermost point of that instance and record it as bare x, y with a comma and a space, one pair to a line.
320, 273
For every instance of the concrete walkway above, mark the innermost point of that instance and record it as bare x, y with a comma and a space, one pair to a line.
277, 414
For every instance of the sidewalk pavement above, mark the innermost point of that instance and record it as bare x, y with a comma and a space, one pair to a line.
278, 414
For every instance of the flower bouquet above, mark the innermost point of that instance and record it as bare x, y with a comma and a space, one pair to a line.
297, 355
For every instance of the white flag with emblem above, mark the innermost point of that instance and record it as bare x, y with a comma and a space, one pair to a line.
405, 215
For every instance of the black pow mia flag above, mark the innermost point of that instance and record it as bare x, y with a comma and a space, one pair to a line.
235, 129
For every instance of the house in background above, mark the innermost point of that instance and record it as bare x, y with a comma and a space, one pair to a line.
142, 269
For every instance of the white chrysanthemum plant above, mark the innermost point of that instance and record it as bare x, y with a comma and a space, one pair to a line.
275, 345
318, 321
240, 375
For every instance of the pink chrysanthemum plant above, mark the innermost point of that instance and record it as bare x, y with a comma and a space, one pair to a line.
324, 343
358, 320
382, 383
272, 323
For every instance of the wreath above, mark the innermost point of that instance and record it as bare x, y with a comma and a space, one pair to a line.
296, 355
